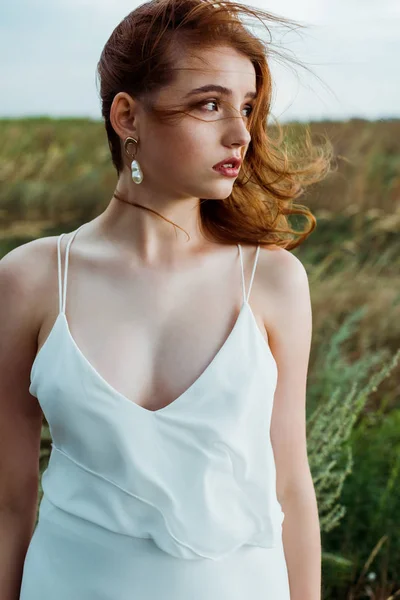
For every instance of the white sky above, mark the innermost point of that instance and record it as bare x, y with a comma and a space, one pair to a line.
49, 50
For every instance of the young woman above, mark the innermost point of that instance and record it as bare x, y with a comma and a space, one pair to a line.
176, 404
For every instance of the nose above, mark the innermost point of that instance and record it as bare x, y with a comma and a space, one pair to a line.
237, 133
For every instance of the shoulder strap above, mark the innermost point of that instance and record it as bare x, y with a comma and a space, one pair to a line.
62, 289
252, 275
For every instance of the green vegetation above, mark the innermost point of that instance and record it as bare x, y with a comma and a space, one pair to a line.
56, 174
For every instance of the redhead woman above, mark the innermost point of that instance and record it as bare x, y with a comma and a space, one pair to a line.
167, 341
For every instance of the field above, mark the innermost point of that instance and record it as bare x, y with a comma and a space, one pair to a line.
57, 174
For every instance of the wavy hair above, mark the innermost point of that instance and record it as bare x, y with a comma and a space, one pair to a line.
139, 59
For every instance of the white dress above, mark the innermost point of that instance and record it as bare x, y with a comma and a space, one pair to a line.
174, 504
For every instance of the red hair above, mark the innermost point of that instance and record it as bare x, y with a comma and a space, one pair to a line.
139, 59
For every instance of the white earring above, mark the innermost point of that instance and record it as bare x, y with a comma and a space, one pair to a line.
137, 174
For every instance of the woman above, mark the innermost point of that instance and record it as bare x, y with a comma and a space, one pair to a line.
179, 463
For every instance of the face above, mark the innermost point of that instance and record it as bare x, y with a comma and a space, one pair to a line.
178, 157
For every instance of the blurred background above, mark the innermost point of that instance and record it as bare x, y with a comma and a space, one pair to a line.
56, 173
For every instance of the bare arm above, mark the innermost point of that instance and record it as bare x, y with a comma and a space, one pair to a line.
20, 413
290, 339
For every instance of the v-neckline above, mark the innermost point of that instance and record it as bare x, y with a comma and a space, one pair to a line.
181, 396
169, 407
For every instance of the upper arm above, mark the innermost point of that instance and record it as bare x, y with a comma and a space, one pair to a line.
290, 332
20, 413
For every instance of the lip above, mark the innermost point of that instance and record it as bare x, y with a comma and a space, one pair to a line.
227, 171
234, 160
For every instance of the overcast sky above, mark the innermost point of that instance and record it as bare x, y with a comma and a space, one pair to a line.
50, 48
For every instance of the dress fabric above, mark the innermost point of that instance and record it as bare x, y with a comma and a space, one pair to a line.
174, 504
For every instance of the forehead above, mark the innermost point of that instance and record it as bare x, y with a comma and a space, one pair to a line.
222, 65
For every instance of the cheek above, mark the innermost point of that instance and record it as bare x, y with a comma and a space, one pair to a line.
184, 146
179, 153
197, 145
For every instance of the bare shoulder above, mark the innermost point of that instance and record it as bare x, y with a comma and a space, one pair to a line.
284, 289
27, 255
25, 273
281, 268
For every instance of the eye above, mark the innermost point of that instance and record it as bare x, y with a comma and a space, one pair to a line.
217, 103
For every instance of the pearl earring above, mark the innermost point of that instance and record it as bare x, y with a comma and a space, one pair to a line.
137, 174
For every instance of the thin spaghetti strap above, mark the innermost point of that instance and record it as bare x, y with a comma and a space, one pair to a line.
254, 270
60, 291
63, 289
241, 264
252, 275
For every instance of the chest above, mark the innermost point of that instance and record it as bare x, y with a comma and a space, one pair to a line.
154, 357
150, 341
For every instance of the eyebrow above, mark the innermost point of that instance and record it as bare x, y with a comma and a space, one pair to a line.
217, 88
